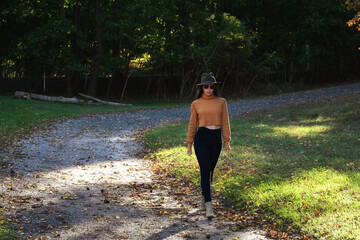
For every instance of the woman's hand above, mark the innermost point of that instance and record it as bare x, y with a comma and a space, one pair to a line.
228, 149
189, 149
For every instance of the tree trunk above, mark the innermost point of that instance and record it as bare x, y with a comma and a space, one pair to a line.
97, 61
148, 85
75, 75
224, 80
198, 73
67, 74
291, 71
185, 79
68, 84
1, 71
161, 85
76, 82
188, 69
131, 70
246, 91
109, 85
115, 72
104, 102
28, 95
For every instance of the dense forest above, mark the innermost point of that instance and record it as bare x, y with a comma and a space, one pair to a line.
115, 48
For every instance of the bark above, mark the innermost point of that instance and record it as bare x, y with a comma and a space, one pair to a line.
148, 86
198, 74
246, 91
103, 102
74, 100
184, 80
68, 84
161, 85
224, 80
75, 75
126, 82
188, 69
109, 86
291, 71
67, 74
96, 66
27, 95
116, 73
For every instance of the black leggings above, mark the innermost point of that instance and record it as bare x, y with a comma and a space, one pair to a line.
207, 145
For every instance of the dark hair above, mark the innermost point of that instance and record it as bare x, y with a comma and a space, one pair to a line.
200, 91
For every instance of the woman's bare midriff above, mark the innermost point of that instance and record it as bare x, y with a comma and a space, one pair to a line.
213, 127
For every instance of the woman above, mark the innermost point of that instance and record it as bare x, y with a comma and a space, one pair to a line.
209, 121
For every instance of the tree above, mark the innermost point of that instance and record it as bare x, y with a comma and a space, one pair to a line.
124, 40
354, 5
246, 43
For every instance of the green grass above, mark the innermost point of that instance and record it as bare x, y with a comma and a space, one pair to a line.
5, 229
297, 167
18, 115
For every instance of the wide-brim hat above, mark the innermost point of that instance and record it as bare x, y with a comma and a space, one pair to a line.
207, 78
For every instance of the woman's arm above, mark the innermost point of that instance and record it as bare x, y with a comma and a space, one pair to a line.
225, 127
193, 124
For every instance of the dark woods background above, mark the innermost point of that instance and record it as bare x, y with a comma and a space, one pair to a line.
125, 49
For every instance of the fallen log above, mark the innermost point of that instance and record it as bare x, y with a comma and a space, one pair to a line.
102, 101
27, 95
89, 99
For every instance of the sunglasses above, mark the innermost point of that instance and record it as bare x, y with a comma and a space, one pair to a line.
207, 86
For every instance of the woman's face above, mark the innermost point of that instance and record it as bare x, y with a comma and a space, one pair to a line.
208, 89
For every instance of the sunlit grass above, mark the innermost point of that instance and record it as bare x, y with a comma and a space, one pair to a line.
300, 131
5, 230
297, 167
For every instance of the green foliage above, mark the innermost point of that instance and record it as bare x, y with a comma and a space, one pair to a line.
244, 41
296, 167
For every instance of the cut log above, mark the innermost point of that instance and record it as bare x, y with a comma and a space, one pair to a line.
27, 95
88, 101
102, 101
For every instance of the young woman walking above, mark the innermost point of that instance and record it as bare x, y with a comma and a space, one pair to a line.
208, 125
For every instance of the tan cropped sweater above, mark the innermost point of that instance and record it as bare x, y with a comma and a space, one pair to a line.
206, 111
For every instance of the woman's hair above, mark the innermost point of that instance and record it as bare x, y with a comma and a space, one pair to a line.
200, 91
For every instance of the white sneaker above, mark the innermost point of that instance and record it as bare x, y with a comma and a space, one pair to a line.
202, 204
209, 210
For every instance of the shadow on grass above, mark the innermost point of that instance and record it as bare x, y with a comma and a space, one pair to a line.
292, 165
297, 167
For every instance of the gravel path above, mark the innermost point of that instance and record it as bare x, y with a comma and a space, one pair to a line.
80, 179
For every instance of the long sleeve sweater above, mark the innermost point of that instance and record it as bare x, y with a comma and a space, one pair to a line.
206, 111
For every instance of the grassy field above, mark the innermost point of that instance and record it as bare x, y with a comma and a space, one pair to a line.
5, 229
17, 115
296, 167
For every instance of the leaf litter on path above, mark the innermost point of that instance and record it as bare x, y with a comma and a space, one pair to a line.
74, 183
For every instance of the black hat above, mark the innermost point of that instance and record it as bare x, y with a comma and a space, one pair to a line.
207, 78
